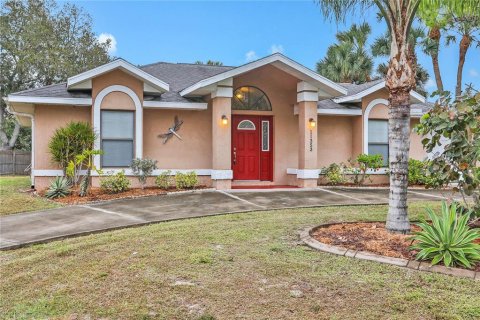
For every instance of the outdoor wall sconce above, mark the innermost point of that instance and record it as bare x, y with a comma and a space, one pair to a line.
312, 122
224, 120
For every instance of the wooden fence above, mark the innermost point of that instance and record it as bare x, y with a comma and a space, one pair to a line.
15, 162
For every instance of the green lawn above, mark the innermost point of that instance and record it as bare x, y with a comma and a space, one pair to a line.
15, 198
242, 266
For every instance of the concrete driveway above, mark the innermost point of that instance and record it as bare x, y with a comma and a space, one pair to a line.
21, 229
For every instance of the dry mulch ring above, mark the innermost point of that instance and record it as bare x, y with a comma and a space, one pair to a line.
97, 194
368, 236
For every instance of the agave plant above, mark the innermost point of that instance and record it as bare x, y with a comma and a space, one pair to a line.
448, 238
59, 188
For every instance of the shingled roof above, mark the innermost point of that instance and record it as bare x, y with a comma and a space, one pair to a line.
182, 75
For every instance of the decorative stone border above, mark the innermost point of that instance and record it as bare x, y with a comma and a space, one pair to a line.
363, 255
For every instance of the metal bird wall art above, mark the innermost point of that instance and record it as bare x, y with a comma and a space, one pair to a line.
172, 130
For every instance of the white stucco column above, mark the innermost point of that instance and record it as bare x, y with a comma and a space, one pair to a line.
307, 99
222, 173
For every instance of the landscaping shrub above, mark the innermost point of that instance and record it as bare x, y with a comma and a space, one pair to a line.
70, 141
115, 183
187, 180
334, 174
83, 161
142, 168
164, 180
364, 163
418, 173
59, 188
448, 238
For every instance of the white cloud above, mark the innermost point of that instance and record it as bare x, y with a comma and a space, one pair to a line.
104, 37
276, 48
250, 56
473, 73
430, 84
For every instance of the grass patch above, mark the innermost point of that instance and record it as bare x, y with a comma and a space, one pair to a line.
241, 266
15, 198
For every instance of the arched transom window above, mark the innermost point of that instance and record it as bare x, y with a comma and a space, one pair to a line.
250, 98
246, 125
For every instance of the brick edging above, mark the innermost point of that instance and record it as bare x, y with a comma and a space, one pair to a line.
306, 238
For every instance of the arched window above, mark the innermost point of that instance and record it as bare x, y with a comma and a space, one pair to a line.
246, 125
250, 98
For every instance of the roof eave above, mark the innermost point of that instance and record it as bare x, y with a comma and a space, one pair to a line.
416, 97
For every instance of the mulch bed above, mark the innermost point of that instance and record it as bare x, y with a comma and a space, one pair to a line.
368, 236
96, 194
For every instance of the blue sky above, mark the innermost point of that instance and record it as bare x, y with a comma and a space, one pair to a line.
235, 32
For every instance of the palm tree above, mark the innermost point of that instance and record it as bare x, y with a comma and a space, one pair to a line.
348, 61
466, 25
400, 80
435, 20
381, 48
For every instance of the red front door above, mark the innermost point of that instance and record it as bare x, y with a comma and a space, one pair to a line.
252, 147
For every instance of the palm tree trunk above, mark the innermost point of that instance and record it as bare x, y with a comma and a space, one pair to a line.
464, 45
436, 71
400, 81
399, 142
435, 35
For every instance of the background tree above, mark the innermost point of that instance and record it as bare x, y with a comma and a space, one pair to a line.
458, 19
210, 63
42, 44
466, 26
436, 21
348, 60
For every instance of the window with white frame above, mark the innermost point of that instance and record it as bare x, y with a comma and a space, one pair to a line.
117, 134
378, 138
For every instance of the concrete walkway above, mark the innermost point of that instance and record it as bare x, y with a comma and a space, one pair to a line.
21, 229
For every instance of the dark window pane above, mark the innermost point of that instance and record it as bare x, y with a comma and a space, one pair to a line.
265, 136
117, 125
381, 149
117, 153
377, 131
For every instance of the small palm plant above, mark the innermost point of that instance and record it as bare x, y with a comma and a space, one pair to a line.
448, 238
59, 188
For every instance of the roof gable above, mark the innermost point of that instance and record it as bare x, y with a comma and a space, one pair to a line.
84, 80
327, 88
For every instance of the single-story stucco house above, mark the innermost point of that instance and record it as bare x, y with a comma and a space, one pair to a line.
270, 122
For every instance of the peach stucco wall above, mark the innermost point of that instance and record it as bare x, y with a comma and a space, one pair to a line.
281, 89
48, 118
193, 152
334, 139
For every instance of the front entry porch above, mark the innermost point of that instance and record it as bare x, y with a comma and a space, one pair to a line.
267, 128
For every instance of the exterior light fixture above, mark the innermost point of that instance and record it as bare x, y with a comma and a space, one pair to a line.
224, 120
312, 122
